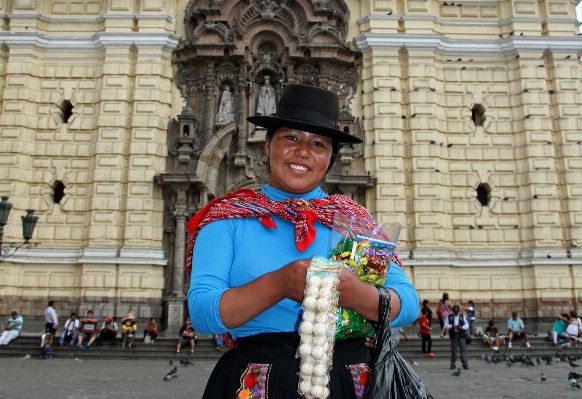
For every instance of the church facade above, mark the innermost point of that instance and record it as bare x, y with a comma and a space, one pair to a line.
121, 119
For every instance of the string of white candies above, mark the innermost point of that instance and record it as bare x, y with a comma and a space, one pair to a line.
317, 329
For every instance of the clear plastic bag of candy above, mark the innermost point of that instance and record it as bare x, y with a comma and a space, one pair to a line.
317, 327
366, 248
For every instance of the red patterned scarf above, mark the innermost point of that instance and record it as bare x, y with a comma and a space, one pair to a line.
246, 203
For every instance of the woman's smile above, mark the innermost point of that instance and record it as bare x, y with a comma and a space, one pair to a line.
298, 160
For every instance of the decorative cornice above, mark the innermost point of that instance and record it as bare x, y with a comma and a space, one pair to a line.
89, 44
469, 23
498, 258
440, 44
96, 20
94, 256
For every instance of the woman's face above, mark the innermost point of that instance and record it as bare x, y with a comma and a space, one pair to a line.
298, 160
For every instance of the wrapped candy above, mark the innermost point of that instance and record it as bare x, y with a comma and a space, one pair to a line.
366, 249
317, 327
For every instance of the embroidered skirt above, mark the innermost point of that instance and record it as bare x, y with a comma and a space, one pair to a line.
264, 366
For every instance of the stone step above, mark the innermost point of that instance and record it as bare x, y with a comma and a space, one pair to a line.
164, 348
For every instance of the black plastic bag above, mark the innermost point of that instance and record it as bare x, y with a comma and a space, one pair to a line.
392, 377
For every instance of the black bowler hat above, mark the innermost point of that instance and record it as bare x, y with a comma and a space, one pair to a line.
309, 109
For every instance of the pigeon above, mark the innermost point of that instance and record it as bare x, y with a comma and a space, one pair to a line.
457, 373
525, 90
568, 57
393, 89
538, 361
415, 89
171, 362
460, 59
551, 92
449, 145
433, 142
432, 89
574, 375
535, 197
171, 374
375, 88
543, 378
463, 68
509, 364
572, 364
413, 115
436, 170
373, 142
527, 117
574, 383
411, 360
390, 13
521, 34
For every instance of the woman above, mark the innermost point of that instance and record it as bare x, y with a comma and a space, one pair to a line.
151, 332
446, 312
128, 329
251, 254
428, 311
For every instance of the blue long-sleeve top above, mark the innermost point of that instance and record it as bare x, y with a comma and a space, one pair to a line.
233, 252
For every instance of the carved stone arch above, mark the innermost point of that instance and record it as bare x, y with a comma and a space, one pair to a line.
255, 14
324, 29
209, 30
212, 155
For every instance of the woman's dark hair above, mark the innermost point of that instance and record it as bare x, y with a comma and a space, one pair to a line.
334, 147
565, 315
445, 296
573, 314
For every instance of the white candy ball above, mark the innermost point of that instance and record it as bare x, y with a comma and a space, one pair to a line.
306, 327
310, 303
305, 386
325, 393
313, 281
318, 381
306, 339
306, 349
322, 304
319, 329
318, 340
317, 351
324, 292
317, 391
307, 368
312, 291
309, 315
319, 370
308, 359
326, 282
321, 317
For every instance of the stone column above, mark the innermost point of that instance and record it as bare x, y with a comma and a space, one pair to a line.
241, 139
174, 301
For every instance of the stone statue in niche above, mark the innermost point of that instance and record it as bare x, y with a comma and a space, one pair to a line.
267, 102
226, 109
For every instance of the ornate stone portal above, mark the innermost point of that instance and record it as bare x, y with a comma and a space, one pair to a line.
250, 50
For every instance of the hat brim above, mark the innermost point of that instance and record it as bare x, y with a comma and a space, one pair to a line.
274, 122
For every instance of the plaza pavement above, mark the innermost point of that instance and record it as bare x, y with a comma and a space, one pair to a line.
75, 379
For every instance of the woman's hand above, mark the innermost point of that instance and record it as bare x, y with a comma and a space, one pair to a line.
292, 279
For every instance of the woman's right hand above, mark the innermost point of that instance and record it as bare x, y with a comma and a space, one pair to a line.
292, 279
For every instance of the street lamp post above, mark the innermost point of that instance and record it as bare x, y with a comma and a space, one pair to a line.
7, 249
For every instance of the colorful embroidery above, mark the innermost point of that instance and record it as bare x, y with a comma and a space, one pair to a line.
361, 376
254, 382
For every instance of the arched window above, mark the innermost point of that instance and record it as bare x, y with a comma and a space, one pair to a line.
186, 131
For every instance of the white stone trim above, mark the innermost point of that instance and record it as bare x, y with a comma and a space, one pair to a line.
511, 45
468, 23
494, 258
95, 20
88, 44
89, 255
